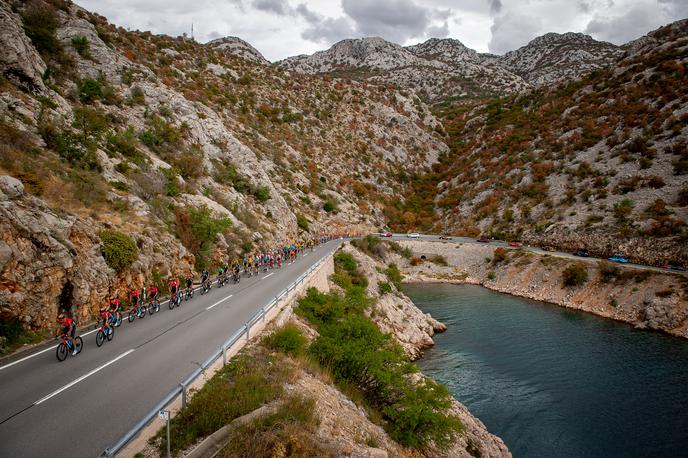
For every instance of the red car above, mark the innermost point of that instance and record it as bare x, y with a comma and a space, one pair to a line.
516, 243
483, 239
387, 234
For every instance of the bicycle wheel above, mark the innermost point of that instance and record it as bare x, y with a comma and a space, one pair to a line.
141, 312
79, 342
151, 308
111, 335
171, 303
156, 305
132, 316
100, 337
118, 321
61, 352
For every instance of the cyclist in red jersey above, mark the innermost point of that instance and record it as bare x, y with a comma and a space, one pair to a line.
68, 329
134, 297
152, 293
105, 316
174, 287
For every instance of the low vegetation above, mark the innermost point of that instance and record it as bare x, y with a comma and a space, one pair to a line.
118, 249
575, 274
359, 355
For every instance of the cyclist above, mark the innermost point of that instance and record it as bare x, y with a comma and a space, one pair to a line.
106, 317
189, 282
68, 329
204, 276
152, 293
114, 309
173, 286
134, 298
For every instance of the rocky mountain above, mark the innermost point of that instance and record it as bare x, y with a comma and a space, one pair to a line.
435, 69
597, 163
555, 57
189, 151
443, 68
239, 48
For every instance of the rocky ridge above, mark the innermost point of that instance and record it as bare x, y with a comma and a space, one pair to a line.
555, 57
442, 68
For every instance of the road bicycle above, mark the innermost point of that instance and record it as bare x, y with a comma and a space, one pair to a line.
153, 306
189, 293
205, 286
67, 345
176, 299
139, 311
104, 333
236, 276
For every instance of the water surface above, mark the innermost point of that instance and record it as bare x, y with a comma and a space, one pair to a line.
554, 382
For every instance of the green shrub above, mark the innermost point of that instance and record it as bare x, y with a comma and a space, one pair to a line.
125, 143
120, 185
262, 193
491, 275
330, 206
288, 339
118, 249
246, 383
575, 274
418, 419
40, 25
394, 275
198, 228
137, 96
302, 222
319, 308
384, 288
90, 90
15, 335
80, 43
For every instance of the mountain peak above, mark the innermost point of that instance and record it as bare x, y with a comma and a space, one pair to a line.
238, 47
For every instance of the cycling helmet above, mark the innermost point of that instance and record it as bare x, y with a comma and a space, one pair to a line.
60, 316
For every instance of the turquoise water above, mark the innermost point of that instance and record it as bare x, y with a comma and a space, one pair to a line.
553, 382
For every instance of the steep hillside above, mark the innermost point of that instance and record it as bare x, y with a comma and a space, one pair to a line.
435, 69
556, 57
599, 163
203, 149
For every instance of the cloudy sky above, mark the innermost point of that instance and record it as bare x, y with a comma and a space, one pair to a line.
282, 28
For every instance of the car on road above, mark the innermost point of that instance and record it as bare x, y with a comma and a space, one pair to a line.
619, 259
445, 237
515, 243
483, 239
583, 253
387, 234
547, 248
413, 235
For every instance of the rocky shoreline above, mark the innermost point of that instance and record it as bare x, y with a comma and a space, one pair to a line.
644, 299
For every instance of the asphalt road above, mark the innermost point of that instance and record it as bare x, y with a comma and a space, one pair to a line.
496, 243
78, 407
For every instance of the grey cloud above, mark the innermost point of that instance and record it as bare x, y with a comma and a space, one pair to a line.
512, 30
395, 20
280, 7
438, 31
329, 30
676, 9
619, 30
495, 6
307, 14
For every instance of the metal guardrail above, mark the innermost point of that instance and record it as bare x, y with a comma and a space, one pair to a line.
181, 388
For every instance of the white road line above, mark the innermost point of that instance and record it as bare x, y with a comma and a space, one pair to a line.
218, 302
271, 273
71, 384
27, 357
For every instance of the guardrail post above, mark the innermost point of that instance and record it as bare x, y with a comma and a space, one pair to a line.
183, 395
224, 356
